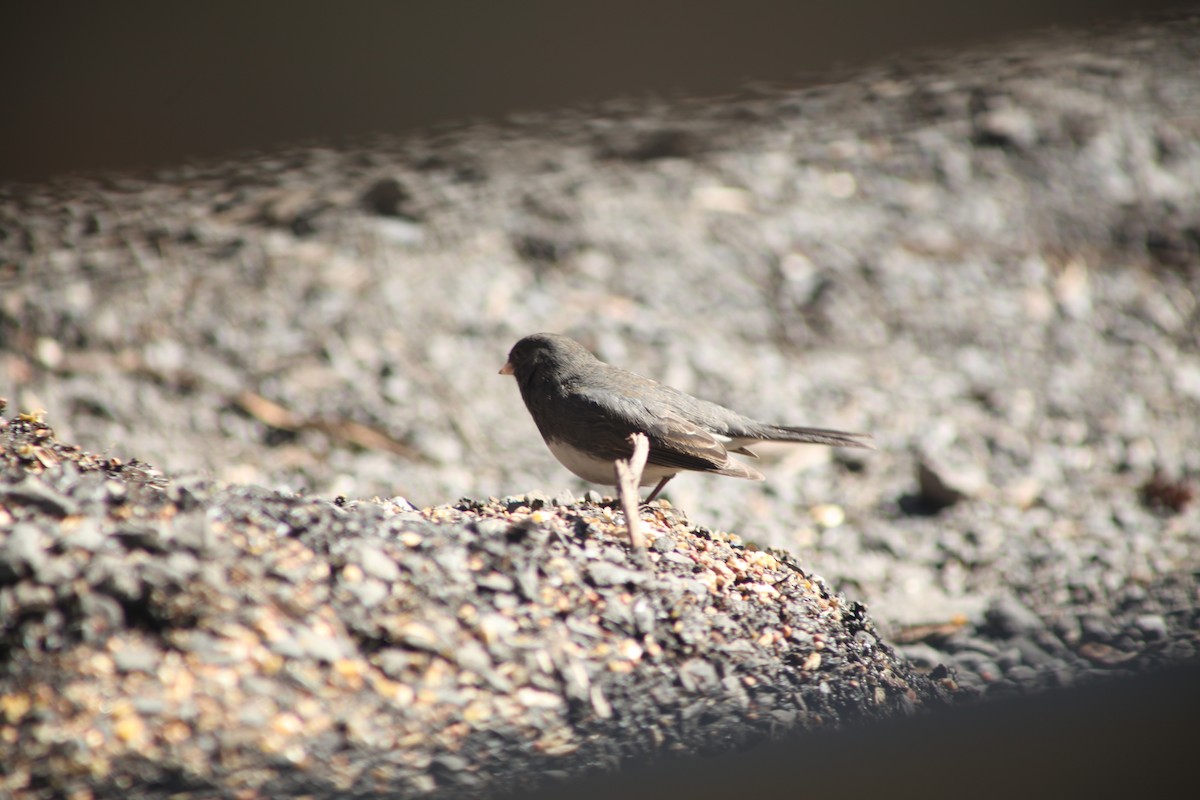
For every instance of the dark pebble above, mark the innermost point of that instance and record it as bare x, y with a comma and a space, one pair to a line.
1153, 626
33, 491
1007, 617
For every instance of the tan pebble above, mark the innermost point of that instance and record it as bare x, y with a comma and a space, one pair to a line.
350, 671
270, 662
600, 703
422, 784
286, 724
15, 706
401, 694
411, 741
803, 537
176, 731
557, 742
477, 712
416, 634
630, 650
1023, 492
827, 515
131, 730
296, 754
309, 707
535, 698
99, 767
102, 664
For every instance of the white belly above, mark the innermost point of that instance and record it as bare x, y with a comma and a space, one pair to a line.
597, 470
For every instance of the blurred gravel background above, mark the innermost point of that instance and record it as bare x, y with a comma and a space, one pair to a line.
991, 262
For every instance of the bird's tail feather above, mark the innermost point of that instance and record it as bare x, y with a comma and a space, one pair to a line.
786, 433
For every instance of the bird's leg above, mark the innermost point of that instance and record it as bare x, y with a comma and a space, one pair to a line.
629, 477
657, 489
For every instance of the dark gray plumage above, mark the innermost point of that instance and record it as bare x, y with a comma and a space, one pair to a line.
586, 410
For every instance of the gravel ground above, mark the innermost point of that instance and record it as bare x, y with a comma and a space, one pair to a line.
991, 261
180, 639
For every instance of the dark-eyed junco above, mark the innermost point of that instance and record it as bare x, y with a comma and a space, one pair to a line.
587, 409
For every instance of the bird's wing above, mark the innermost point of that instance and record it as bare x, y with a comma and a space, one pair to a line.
607, 420
676, 442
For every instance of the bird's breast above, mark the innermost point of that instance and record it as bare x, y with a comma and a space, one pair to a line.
598, 470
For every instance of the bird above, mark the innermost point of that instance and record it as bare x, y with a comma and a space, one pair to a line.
586, 410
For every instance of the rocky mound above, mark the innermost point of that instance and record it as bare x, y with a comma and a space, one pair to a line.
175, 639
